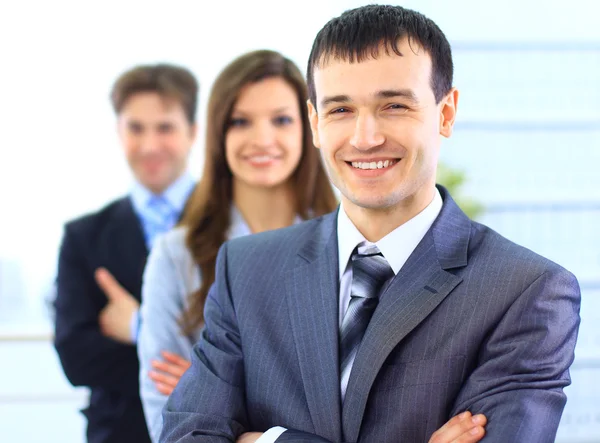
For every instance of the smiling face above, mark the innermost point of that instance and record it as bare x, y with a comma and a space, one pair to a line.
378, 127
263, 144
156, 137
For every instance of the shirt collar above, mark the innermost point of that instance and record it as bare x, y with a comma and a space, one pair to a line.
239, 227
176, 194
397, 246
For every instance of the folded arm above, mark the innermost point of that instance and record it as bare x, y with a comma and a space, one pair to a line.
208, 404
162, 307
463, 428
523, 365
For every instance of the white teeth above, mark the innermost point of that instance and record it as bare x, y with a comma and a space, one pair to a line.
373, 165
261, 158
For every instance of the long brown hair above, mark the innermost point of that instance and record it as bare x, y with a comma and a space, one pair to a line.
207, 215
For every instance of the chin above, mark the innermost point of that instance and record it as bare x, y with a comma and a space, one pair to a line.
156, 182
381, 201
266, 182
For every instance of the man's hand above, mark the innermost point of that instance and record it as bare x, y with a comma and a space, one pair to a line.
171, 370
462, 428
249, 437
115, 318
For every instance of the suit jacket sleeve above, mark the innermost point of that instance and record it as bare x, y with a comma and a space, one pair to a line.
523, 365
294, 436
88, 358
163, 300
208, 404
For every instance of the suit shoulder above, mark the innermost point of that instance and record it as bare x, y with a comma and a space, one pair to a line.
174, 239
505, 251
92, 222
172, 245
275, 241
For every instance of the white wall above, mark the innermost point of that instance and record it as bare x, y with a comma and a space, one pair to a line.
59, 155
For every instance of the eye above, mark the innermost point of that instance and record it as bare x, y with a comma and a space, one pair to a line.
340, 110
165, 128
135, 128
238, 122
398, 106
282, 120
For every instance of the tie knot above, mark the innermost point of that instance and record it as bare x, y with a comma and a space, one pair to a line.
366, 249
160, 208
370, 271
158, 202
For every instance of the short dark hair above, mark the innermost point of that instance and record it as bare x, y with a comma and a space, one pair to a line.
169, 81
358, 33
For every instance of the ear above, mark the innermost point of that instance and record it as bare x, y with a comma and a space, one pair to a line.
448, 112
313, 118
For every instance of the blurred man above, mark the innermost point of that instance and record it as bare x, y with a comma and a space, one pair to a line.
380, 321
103, 254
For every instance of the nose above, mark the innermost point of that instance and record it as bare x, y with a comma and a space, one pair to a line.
263, 134
366, 133
150, 142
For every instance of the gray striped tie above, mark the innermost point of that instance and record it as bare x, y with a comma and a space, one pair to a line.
370, 272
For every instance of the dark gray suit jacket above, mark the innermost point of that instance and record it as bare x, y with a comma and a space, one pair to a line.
471, 322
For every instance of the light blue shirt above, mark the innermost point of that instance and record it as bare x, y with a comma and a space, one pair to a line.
158, 213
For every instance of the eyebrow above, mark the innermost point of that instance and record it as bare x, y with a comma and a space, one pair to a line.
384, 93
402, 93
274, 111
334, 99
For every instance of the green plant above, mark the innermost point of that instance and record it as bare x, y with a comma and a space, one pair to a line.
453, 180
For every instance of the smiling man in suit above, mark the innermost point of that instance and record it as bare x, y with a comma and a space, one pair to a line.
379, 322
102, 256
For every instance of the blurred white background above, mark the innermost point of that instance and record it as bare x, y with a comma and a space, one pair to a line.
528, 139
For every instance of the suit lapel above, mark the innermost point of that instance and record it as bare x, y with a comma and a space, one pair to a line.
420, 286
312, 293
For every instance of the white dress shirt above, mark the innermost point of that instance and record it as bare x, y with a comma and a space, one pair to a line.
396, 247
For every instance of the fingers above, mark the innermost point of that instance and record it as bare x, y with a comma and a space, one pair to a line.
452, 422
167, 380
176, 359
108, 283
459, 427
163, 389
472, 436
103, 318
169, 368
249, 437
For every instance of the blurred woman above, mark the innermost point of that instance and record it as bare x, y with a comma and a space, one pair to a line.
261, 172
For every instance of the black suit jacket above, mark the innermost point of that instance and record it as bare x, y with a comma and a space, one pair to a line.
111, 238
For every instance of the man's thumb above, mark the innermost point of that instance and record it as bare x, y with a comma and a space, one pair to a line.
109, 284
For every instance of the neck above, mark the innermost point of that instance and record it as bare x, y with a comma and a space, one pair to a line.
160, 189
265, 209
374, 224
